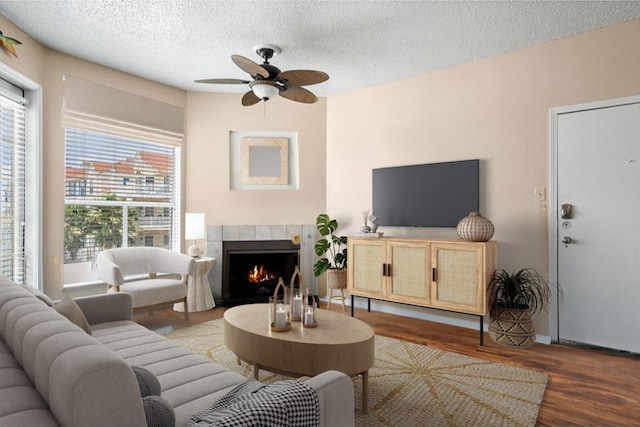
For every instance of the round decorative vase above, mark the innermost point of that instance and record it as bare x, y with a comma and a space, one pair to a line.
337, 279
512, 327
475, 228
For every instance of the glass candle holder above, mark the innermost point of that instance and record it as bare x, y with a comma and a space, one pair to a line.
296, 304
279, 314
309, 312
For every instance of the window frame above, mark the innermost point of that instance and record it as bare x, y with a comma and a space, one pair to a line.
33, 169
88, 275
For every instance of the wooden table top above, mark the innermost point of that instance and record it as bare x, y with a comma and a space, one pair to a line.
339, 342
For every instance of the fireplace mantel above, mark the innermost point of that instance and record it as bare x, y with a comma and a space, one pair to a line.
216, 234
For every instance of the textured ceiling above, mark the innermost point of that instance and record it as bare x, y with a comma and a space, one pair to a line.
359, 44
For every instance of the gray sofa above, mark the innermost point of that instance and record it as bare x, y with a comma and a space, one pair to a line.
52, 373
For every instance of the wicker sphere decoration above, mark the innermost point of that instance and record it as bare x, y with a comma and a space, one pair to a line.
475, 228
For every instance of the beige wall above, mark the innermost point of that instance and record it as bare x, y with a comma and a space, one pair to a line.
210, 119
497, 110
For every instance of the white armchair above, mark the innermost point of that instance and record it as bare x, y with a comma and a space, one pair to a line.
122, 268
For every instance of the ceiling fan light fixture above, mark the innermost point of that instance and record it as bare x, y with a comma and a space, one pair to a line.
265, 90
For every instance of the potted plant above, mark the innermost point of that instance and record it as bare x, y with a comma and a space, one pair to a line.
514, 298
333, 252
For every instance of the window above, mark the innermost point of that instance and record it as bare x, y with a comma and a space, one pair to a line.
20, 178
111, 199
12, 187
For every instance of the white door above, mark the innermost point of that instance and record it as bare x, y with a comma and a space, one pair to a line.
598, 267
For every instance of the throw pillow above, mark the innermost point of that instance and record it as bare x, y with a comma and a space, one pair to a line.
71, 310
40, 295
158, 412
148, 383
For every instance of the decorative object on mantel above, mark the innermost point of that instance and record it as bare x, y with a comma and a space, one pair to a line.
279, 310
7, 43
513, 299
475, 228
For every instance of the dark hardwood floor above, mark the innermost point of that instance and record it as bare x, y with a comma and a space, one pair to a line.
586, 387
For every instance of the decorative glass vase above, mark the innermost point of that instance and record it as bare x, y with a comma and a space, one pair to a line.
475, 228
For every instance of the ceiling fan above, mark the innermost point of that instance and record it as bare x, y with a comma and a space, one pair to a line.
268, 81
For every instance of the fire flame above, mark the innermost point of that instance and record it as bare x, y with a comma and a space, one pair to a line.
259, 274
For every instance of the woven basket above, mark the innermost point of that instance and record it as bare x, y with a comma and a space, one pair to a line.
337, 279
475, 228
512, 327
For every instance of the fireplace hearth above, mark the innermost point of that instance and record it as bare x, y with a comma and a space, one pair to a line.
251, 269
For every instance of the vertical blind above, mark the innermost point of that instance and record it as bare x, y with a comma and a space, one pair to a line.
12, 183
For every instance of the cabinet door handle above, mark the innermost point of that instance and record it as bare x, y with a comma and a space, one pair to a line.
389, 270
433, 274
384, 269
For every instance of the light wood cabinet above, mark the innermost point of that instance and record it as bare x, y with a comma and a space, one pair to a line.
450, 275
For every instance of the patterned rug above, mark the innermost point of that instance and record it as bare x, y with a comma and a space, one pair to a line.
414, 385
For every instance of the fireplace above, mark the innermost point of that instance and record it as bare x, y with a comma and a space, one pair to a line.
251, 269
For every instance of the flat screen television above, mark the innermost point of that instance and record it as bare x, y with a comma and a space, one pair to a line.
428, 195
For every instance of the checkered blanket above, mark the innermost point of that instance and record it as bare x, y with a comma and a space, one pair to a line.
252, 404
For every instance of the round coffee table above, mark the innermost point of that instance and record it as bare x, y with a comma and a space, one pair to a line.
339, 342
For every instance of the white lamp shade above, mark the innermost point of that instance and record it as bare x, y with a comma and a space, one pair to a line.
265, 90
193, 226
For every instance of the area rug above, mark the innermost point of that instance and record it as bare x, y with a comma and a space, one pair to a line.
413, 385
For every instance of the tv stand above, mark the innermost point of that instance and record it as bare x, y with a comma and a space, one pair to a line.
450, 275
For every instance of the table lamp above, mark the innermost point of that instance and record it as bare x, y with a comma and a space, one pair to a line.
194, 230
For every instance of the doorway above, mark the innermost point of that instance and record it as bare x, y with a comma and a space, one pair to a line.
594, 230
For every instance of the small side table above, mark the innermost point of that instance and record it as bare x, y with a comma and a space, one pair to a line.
199, 296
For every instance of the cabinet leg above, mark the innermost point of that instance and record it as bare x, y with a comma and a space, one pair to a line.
352, 300
481, 331
368, 305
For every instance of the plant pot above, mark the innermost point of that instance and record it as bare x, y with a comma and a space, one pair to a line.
337, 279
512, 327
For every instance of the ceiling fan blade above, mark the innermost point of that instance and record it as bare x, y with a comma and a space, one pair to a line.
223, 81
248, 66
303, 77
298, 94
249, 99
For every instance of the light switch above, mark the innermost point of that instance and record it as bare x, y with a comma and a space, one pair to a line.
541, 194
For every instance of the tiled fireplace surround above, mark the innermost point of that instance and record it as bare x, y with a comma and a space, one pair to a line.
216, 234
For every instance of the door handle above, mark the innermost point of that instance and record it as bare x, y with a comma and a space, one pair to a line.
566, 212
567, 240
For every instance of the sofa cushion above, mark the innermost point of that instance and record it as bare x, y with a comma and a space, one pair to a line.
20, 403
147, 381
158, 411
69, 309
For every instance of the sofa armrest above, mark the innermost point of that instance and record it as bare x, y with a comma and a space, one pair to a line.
335, 393
107, 307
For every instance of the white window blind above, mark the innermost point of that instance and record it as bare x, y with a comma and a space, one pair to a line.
118, 192
12, 183
122, 176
